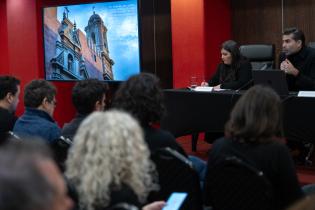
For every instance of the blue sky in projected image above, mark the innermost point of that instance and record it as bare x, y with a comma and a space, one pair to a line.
121, 20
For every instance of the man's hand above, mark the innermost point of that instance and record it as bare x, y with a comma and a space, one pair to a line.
288, 68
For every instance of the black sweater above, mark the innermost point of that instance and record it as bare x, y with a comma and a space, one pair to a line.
304, 62
7, 121
242, 76
271, 158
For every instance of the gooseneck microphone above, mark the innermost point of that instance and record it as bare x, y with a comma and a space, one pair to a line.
241, 88
244, 85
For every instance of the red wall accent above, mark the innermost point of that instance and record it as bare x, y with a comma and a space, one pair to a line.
198, 29
187, 41
218, 28
25, 52
3, 38
22, 42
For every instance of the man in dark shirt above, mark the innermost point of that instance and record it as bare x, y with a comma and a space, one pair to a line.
9, 99
297, 60
87, 96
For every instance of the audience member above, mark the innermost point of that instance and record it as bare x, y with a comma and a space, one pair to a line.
87, 96
109, 162
9, 99
297, 60
37, 120
252, 134
142, 97
29, 178
234, 72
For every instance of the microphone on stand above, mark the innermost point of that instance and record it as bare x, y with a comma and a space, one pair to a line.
244, 85
241, 88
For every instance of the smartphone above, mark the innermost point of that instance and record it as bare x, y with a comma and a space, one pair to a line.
175, 201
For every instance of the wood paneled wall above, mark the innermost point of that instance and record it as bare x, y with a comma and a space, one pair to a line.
256, 21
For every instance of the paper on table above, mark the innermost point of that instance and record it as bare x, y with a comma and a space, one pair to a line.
306, 94
220, 89
203, 88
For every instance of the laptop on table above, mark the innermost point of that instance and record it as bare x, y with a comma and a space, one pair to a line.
274, 78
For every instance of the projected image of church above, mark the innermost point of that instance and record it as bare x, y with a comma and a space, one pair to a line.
77, 46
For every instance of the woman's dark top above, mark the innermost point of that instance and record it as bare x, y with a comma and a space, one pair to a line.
157, 138
272, 158
230, 79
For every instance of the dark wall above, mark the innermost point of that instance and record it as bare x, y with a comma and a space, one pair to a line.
156, 39
301, 13
256, 21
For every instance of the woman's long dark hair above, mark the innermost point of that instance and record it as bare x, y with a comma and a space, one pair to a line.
233, 48
230, 73
256, 117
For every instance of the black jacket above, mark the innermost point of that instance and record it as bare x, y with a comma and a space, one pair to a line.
272, 158
157, 138
70, 129
304, 62
242, 76
7, 121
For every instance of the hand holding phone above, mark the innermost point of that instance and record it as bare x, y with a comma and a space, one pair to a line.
175, 201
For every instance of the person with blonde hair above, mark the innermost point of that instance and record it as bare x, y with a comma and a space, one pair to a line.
110, 162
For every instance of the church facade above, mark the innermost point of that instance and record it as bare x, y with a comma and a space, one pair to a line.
72, 55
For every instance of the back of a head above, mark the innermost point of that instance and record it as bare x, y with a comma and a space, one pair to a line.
86, 93
296, 33
8, 84
109, 150
142, 97
36, 91
256, 117
23, 186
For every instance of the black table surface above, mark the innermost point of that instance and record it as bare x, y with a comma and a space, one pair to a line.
189, 112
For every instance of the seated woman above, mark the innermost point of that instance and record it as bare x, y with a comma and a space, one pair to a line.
109, 162
234, 72
253, 134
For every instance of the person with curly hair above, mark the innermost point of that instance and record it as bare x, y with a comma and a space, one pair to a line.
109, 162
142, 96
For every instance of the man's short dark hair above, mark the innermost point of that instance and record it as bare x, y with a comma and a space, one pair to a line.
23, 186
297, 34
142, 97
256, 117
86, 93
8, 84
36, 91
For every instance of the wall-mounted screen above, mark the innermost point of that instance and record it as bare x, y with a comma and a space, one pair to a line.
94, 40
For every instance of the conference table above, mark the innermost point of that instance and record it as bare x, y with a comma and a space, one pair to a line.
191, 112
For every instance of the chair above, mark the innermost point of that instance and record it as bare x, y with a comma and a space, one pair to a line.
233, 184
261, 56
176, 174
60, 150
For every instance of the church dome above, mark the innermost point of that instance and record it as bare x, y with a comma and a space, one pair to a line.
95, 18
